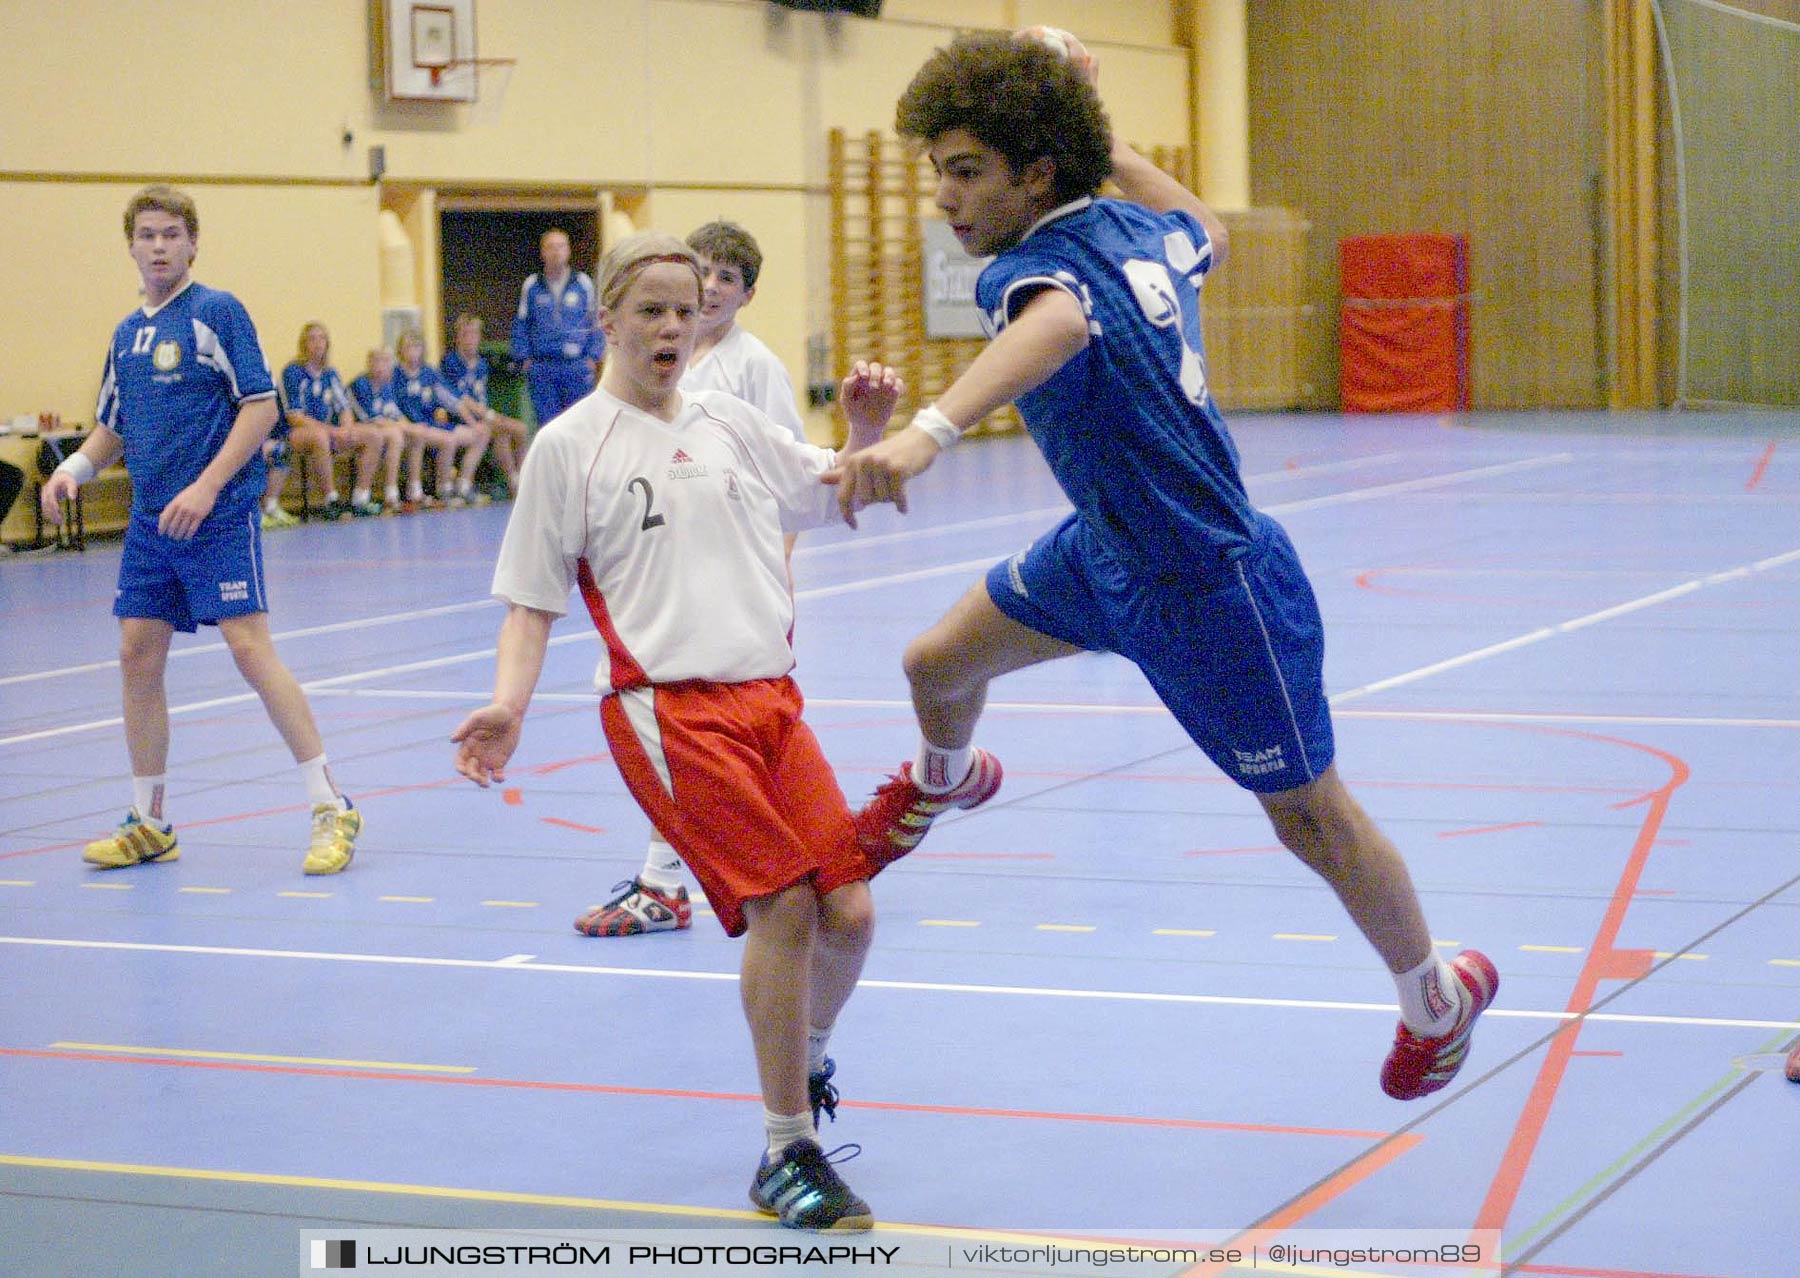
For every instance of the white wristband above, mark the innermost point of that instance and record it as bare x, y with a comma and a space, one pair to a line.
78, 466
942, 430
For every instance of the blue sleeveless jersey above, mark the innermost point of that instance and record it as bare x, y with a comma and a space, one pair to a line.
1128, 426
175, 378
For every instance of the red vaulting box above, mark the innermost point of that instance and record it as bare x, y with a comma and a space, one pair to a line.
1404, 330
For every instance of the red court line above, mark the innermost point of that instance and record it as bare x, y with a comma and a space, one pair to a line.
1762, 467
1503, 1192
573, 825
1488, 829
1567, 1271
669, 1093
514, 796
1348, 1177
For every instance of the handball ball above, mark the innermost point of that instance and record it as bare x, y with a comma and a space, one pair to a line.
1062, 43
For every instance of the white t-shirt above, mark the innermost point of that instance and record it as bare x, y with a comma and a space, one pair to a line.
673, 530
744, 366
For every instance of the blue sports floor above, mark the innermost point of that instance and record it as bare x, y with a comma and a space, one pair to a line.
1563, 649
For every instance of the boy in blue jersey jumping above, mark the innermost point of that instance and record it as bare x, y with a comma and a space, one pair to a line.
188, 400
1093, 308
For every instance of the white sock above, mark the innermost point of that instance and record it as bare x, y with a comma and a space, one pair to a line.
785, 1129
662, 867
272, 505
937, 770
465, 487
147, 798
391, 496
1430, 997
415, 493
331, 498
360, 496
320, 788
816, 1041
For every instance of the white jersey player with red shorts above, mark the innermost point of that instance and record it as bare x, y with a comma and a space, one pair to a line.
672, 530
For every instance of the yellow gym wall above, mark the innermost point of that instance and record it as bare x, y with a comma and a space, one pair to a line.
693, 109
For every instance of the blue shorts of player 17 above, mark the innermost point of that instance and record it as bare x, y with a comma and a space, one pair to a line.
216, 574
1237, 654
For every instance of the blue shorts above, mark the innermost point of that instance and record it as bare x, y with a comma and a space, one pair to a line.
216, 574
1236, 654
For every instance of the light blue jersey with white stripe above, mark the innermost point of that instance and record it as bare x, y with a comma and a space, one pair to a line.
175, 379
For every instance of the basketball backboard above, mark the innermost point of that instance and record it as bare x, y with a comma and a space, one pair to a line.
430, 49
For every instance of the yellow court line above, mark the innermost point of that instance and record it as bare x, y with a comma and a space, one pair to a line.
1066, 927
517, 905
18, 882
1785, 962
310, 896
492, 1196
1551, 949
1302, 936
949, 922
1448, 945
1692, 958
1183, 931
108, 887
415, 900
270, 1060
206, 891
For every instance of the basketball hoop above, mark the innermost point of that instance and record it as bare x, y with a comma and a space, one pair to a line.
479, 82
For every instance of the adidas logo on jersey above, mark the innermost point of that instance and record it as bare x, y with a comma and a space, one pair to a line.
681, 466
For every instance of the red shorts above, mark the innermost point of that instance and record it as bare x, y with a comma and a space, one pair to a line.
737, 784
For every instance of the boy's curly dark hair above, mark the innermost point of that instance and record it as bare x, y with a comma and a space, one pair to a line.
1019, 97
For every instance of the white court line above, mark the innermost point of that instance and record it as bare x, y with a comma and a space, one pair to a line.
512, 964
834, 549
1381, 685
1565, 627
364, 623
1535, 636
1128, 708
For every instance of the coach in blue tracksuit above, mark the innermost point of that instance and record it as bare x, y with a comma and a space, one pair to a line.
554, 335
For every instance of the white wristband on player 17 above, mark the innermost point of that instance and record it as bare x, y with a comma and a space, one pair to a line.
78, 466
942, 430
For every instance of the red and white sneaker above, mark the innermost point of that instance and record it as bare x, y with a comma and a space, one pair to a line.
1418, 1066
638, 908
900, 813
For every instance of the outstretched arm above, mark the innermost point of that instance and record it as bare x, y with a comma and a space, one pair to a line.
1049, 332
486, 740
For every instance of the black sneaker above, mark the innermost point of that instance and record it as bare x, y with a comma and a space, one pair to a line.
803, 1190
821, 1094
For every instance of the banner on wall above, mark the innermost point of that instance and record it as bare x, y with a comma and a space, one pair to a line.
949, 284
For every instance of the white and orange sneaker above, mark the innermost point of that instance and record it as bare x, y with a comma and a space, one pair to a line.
1419, 1065
894, 821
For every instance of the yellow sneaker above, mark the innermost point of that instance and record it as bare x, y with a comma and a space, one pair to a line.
334, 832
133, 843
